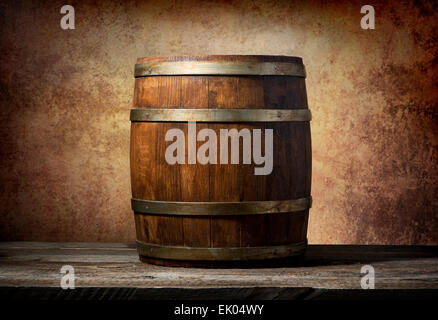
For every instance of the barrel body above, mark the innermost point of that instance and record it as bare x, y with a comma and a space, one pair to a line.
193, 214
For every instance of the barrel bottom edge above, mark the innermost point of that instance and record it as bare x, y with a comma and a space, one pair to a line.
240, 257
292, 261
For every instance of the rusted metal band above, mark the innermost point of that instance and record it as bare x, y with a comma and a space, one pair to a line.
220, 115
219, 208
175, 68
219, 254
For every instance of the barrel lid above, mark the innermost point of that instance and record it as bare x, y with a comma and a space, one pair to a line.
220, 65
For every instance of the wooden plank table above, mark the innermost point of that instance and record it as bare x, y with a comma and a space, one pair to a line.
31, 270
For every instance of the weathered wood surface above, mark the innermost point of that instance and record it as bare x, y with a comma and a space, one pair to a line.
325, 267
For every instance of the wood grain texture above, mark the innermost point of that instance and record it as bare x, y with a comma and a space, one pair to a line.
154, 179
195, 186
116, 265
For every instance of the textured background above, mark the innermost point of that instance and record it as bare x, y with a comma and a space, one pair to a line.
65, 97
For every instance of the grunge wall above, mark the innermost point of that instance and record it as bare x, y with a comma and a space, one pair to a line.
65, 97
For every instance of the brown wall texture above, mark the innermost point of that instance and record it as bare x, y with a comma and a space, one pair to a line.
65, 97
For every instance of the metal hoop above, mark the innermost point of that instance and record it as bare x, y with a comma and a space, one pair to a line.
220, 115
219, 68
219, 208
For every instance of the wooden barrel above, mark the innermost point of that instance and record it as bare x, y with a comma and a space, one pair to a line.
198, 213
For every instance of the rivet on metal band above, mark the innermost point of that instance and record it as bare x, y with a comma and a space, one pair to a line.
219, 208
220, 115
219, 254
220, 68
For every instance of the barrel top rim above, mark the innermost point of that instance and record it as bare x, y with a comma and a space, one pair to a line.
222, 58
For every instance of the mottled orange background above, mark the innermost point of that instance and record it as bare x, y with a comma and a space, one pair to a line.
65, 97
